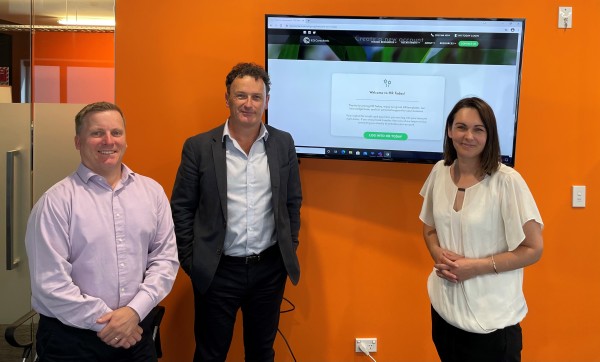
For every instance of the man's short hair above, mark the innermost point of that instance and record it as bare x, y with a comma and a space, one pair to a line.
93, 108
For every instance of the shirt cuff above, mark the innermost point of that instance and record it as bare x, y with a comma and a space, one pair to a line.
97, 327
142, 303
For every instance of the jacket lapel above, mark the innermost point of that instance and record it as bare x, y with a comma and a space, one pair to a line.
218, 151
273, 160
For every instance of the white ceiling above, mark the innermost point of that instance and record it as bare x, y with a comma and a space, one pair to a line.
47, 12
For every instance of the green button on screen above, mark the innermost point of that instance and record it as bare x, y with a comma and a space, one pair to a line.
468, 43
386, 136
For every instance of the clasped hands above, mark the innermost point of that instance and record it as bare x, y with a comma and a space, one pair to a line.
454, 267
122, 328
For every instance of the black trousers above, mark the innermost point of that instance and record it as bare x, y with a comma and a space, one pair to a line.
255, 286
56, 342
456, 345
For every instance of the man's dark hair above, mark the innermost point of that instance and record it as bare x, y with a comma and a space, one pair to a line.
241, 70
93, 108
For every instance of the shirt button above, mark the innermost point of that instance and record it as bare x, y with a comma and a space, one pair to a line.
122, 289
122, 264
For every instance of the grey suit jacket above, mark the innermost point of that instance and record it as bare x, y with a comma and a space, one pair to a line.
199, 203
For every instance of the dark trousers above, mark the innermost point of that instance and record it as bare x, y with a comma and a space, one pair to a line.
456, 345
255, 286
56, 342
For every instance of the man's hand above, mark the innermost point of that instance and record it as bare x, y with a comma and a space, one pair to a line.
122, 328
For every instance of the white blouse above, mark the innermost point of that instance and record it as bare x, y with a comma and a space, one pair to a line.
490, 222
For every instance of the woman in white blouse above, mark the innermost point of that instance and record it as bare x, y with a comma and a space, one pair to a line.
482, 227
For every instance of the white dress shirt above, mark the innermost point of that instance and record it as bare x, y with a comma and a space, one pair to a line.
250, 220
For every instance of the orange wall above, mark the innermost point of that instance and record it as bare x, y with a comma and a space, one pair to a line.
364, 264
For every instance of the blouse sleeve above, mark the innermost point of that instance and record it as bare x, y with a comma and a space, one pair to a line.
427, 193
518, 207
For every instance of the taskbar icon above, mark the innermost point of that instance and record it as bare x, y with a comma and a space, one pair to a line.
357, 153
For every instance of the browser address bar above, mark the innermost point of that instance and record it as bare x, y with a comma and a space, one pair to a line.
385, 27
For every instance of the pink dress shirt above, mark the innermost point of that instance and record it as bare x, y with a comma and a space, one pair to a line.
93, 249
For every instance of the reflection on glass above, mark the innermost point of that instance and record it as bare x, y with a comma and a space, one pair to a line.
73, 67
47, 62
15, 54
47, 73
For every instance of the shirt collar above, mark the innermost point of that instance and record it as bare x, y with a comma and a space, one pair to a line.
263, 133
86, 174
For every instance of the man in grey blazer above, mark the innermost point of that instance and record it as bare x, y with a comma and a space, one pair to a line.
236, 207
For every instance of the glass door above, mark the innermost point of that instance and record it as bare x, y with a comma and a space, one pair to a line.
15, 159
48, 72
15, 168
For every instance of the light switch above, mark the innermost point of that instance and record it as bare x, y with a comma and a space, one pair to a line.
565, 17
578, 196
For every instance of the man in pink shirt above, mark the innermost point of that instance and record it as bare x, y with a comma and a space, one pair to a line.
101, 249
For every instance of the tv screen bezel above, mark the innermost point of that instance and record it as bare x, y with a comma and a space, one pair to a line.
401, 156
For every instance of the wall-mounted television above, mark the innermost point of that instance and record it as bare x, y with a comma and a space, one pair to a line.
380, 88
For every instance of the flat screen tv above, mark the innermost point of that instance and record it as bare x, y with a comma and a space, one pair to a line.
380, 88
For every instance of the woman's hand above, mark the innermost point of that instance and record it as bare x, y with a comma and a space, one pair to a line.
456, 268
446, 265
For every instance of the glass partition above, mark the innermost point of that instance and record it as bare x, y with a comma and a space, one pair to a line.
48, 72
15, 162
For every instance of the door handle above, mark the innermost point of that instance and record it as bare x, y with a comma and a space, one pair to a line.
11, 262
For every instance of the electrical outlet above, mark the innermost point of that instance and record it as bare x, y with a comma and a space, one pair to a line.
578, 195
370, 344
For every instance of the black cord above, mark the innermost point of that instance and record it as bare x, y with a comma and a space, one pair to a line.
292, 306
278, 330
